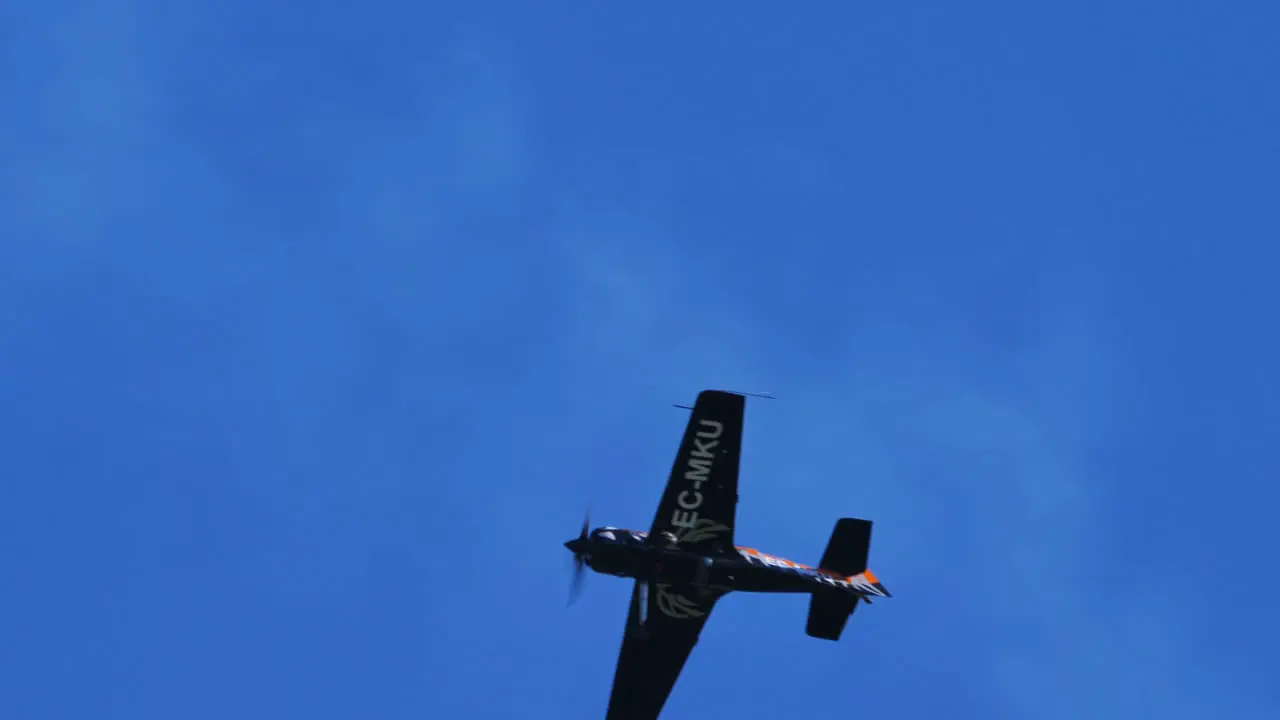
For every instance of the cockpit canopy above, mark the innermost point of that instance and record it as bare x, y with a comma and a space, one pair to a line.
608, 533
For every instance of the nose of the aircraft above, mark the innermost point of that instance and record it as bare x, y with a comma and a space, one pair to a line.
573, 544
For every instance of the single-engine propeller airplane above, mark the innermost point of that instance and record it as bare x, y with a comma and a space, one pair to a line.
687, 561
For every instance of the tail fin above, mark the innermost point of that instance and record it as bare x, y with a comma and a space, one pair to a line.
848, 548
846, 555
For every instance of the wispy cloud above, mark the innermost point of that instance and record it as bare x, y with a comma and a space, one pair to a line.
984, 461
431, 335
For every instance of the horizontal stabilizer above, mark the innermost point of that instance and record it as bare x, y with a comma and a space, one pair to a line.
828, 613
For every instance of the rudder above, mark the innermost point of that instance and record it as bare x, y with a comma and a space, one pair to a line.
848, 548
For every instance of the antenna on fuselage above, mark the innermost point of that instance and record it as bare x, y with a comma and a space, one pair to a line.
766, 396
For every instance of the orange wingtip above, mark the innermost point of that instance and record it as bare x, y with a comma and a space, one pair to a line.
871, 578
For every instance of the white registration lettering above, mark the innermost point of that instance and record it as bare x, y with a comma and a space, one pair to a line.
698, 471
684, 519
689, 504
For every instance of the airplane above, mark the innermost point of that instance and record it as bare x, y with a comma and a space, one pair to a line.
687, 561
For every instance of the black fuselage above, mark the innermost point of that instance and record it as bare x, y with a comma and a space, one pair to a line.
676, 567
633, 554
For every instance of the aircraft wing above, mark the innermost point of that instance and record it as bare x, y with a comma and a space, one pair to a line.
700, 501
653, 656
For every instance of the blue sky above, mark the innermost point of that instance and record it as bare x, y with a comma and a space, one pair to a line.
319, 331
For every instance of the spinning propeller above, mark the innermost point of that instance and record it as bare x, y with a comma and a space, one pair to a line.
578, 546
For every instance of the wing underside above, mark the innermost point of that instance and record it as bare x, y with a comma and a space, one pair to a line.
655, 651
699, 503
